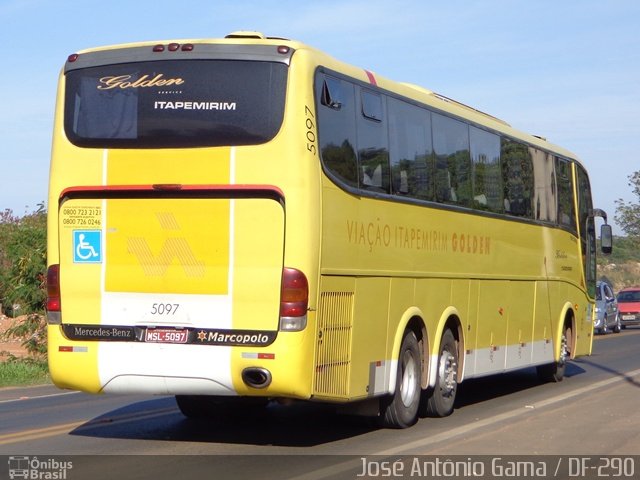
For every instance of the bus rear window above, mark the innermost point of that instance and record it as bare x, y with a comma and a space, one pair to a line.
170, 104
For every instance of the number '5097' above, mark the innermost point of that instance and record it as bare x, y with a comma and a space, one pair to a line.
164, 308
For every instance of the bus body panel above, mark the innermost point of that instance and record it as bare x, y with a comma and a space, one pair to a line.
171, 240
514, 319
176, 265
376, 263
371, 310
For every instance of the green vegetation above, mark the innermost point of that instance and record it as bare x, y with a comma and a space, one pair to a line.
23, 294
23, 371
625, 249
23, 254
628, 213
622, 267
32, 331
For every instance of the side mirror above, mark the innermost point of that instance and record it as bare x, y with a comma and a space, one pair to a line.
606, 239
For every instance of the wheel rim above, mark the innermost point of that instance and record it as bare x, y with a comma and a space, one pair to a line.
564, 347
409, 385
447, 373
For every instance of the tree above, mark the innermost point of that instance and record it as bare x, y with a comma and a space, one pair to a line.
23, 260
628, 213
22, 276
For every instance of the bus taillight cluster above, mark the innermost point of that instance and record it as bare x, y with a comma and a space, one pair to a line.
294, 299
53, 288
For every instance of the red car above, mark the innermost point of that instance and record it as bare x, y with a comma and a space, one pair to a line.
629, 306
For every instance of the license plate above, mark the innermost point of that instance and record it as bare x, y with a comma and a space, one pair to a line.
628, 317
163, 335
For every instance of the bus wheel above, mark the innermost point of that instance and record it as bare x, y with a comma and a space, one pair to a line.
401, 409
440, 402
554, 372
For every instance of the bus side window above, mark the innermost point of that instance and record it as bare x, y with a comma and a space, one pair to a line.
453, 162
337, 128
331, 93
373, 149
517, 169
564, 179
410, 149
487, 177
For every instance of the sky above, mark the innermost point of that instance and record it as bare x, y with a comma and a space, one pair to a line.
566, 70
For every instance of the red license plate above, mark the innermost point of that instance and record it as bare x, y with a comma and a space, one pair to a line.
163, 335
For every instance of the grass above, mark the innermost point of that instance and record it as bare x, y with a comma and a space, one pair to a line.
23, 371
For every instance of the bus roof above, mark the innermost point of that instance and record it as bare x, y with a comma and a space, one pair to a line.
408, 90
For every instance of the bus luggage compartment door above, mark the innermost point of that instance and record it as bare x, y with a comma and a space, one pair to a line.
179, 262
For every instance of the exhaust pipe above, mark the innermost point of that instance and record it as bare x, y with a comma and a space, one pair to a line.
256, 377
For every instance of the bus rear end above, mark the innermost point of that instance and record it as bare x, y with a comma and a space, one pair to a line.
167, 271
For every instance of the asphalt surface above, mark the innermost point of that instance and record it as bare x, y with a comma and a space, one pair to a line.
592, 412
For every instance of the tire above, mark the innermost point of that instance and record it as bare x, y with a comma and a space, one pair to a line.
441, 399
604, 330
400, 410
618, 327
554, 372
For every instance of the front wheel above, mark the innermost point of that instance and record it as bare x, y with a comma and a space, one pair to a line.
554, 372
440, 402
401, 409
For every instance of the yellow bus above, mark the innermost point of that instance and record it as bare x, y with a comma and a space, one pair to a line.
239, 220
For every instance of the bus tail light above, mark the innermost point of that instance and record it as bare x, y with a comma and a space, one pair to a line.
294, 299
53, 294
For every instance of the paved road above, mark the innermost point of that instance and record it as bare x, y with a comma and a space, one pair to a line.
593, 412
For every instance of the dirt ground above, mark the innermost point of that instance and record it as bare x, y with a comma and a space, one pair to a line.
9, 347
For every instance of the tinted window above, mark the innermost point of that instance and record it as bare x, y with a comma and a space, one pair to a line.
587, 229
487, 176
337, 128
629, 296
410, 149
373, 149
545, 198
371, 105
566, 208
608, 293
584, 199
331, 95
517, 178
380, 143
175, 104
453, 165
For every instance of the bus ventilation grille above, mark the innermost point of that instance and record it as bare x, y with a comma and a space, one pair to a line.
335, 322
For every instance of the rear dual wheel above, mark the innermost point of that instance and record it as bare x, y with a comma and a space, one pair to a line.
440, 402
401, 409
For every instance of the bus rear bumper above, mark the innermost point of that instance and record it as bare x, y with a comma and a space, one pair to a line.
165, 385
279, 370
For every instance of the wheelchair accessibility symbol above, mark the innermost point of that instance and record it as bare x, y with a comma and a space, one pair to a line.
87, 246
